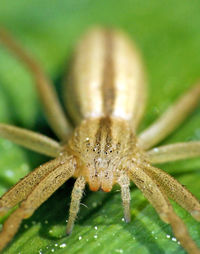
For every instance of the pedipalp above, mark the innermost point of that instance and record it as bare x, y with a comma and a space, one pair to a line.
76, 196
124, 183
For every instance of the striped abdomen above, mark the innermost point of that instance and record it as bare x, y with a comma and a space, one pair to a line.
106, 78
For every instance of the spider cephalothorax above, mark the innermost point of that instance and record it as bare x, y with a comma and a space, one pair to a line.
108, 145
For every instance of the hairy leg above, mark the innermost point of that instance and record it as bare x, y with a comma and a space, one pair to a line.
47, 186
47, 93
154, 193
173, 189
75, 202
124, 183
23, 188
170, 119
32, 140
172, 152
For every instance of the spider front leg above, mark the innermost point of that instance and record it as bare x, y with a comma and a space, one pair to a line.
47, 93
42, 191
23, 188
156, 196
173, 189
172, 152
170, 119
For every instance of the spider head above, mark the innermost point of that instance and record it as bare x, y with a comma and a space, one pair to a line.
103, 147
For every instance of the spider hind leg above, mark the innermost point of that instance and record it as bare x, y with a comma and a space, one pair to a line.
154, 192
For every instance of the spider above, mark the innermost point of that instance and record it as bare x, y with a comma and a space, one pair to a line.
105, 94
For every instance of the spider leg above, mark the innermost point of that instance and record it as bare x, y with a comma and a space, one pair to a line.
32, 140
170, 119
154, 193
124, 183
177, 192
47, 93
75, 202
172, 152
23, 188
45, 188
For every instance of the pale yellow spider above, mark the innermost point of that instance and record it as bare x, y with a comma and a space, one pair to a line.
105, 95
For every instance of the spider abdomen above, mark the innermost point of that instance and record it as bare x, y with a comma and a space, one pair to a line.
106, 77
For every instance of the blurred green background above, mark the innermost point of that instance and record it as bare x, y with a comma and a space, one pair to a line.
167, 32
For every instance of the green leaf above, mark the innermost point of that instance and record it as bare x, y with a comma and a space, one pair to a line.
167, 32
